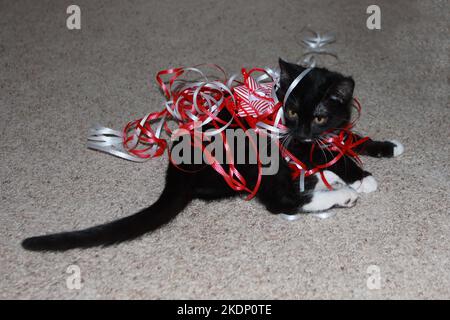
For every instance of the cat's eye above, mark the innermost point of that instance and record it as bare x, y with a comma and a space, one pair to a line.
320, 120
291, 113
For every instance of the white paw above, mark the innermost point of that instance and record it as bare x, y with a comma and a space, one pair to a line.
366, 185
347, 197
324, 200
398, 149
333, 179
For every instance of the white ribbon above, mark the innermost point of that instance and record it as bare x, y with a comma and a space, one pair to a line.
109, 141
315, 43
320, 215
294, 84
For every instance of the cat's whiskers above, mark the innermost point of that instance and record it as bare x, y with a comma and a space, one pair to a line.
286, 141
329, 151
323, 146
320, 147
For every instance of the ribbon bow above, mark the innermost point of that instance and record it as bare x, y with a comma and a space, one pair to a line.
254, 98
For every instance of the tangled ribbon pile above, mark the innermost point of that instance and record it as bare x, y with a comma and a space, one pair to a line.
193, 104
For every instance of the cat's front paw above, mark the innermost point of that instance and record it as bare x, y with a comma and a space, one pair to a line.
366, 185
398, 148
331, 178
323, 200
346, 197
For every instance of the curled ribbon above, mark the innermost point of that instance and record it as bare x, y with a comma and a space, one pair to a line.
315, 44
194, 104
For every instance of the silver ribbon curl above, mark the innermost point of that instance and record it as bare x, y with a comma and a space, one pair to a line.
315, 43
295, 217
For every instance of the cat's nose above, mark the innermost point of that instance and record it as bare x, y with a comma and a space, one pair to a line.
304, 133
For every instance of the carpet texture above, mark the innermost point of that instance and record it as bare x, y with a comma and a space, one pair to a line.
56, 83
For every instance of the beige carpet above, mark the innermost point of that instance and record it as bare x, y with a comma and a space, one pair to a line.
56, 83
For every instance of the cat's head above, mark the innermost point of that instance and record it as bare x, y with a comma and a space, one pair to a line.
322, 101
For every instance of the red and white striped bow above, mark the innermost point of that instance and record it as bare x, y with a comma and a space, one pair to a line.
253, 98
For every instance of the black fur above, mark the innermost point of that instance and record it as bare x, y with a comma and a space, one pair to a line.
322, 94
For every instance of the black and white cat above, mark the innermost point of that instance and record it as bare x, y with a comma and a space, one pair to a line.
323, 102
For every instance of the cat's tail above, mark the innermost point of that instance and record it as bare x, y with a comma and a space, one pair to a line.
171, 202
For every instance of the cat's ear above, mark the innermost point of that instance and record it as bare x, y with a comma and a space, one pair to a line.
342, 90
288, 72
285, 68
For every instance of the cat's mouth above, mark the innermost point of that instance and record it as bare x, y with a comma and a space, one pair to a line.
308, 138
